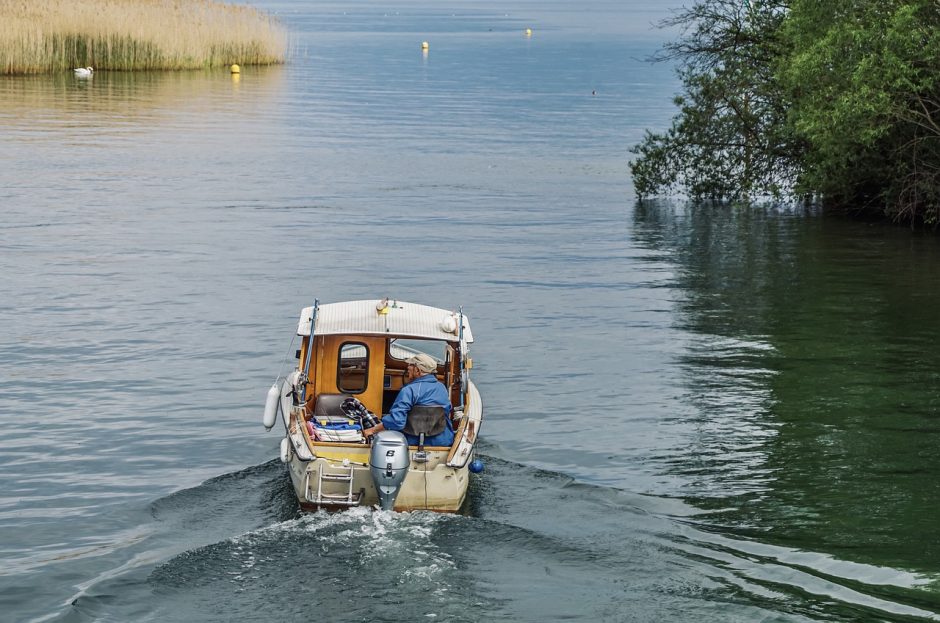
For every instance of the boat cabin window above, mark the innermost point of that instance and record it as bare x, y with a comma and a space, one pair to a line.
352, 373
403, 349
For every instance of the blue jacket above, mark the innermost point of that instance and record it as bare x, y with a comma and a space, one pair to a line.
424, 391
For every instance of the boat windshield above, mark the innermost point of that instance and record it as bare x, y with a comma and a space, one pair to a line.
402, 349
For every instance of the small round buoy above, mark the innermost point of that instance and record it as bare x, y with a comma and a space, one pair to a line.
476, 466
528, 32
424, 45
236, 69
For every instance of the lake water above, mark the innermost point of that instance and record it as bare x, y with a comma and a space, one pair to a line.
691, 415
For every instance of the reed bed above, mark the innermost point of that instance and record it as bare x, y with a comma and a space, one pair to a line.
43, 36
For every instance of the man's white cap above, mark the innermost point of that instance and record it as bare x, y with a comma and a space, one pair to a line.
425, 363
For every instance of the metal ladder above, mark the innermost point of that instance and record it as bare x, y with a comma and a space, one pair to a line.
335, 499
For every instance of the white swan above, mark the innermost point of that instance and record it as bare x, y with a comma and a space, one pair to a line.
83, 72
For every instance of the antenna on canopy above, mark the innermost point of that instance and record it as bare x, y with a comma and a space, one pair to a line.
306, 375
463, 356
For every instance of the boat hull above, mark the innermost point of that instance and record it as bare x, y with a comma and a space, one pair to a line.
438, 484
430, 485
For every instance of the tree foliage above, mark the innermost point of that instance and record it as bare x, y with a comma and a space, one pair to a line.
837, 100
725, 142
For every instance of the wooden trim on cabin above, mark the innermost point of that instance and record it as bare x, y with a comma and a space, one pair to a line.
347, 444
452, 376
327, 360
458, 436
468, 426
341, 444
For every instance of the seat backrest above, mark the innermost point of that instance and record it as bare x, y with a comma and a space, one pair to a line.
427, 419
330, 404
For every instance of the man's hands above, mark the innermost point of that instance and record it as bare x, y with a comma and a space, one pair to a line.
375, 429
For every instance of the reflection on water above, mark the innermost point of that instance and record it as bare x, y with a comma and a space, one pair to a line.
41, 106
121, 141
816, 397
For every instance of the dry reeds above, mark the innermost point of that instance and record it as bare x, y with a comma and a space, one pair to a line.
40, 36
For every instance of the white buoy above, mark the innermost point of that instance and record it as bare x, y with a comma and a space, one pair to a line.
285, 450
270, 406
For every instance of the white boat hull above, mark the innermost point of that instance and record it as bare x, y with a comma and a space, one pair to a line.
428, 486
438, 484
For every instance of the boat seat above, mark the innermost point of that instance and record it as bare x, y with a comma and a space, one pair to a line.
330, 404
428, 420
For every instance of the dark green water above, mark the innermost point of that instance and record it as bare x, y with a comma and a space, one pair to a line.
832, 323
709, 414
829, 324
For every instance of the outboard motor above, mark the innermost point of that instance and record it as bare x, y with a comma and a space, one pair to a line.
388, 464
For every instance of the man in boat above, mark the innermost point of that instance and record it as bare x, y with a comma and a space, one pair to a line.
421, 389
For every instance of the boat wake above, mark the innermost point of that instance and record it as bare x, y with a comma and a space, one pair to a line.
531, 545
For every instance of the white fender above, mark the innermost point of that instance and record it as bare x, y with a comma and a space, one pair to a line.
285, 450
270, 406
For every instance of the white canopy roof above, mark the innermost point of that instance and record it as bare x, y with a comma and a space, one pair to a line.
363, 318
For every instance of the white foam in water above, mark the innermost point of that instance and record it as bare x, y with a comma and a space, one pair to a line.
375, 533
243, 551
375, 537
402, 539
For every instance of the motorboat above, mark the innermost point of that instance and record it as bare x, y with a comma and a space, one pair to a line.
351, 365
